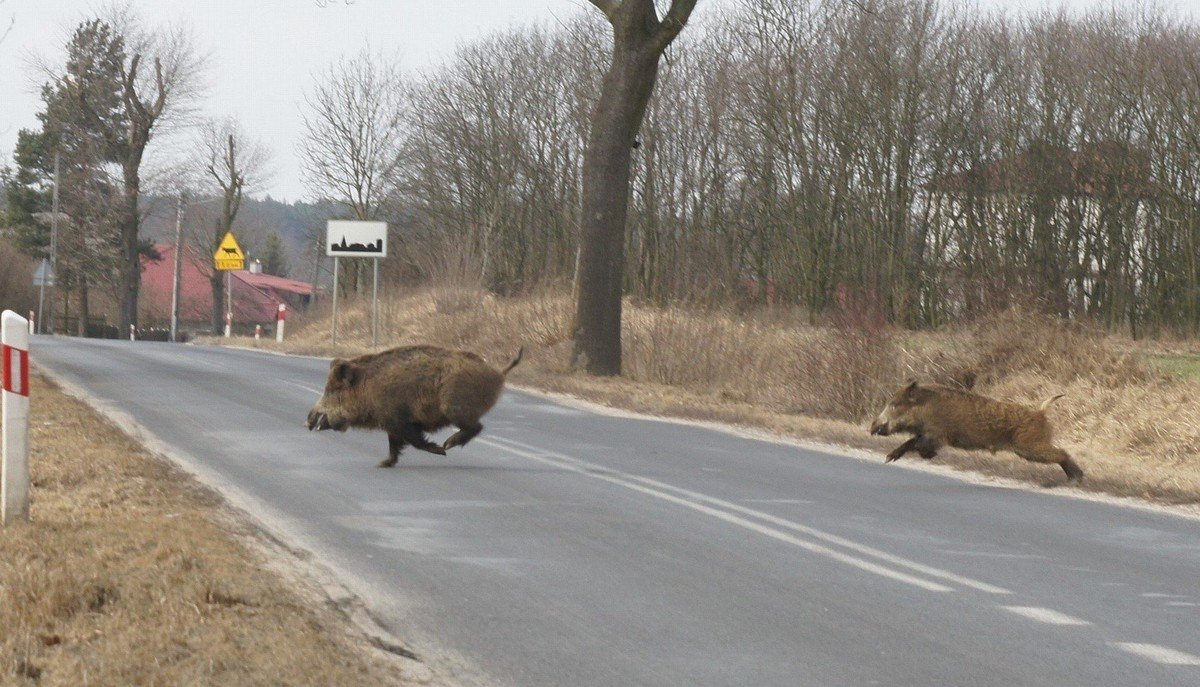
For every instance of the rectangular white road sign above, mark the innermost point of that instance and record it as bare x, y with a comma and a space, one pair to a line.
356, 239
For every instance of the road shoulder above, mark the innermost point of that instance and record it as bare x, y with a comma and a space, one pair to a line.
133, 572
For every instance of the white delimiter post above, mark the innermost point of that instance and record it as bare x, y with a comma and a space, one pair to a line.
280, 318
14, 416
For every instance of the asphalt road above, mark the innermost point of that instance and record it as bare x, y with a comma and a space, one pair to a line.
570, 548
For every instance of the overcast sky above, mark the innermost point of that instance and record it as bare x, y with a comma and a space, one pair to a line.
263, 53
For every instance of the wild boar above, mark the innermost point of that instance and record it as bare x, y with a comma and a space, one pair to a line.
939, 415
409, 391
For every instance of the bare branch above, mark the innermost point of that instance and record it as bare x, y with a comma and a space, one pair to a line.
608, 7
673, 22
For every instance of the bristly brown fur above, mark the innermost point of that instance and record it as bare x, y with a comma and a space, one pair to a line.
408, 392
939, 415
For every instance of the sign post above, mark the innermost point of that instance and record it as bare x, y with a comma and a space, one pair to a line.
229, 257
357, 239
43, 276
14, 418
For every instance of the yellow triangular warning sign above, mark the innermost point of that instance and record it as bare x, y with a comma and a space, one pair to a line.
229, 255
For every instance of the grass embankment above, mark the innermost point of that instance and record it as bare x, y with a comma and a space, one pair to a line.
1134, 427
130, 573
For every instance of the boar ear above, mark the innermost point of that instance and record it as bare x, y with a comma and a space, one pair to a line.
910, 388
345, 371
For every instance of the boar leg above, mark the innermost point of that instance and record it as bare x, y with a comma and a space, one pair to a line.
465, 433
1051, 454
413, 434
898, 452
927, 446
395, 444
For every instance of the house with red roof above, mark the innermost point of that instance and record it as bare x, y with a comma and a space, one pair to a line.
255, 296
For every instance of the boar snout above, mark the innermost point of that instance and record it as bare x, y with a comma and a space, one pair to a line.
882, 424
317, 420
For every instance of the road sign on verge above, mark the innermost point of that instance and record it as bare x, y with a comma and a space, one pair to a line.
44, 274
355, 239
229, 255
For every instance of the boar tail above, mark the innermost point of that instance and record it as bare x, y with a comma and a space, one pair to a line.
1046, 403
515, 361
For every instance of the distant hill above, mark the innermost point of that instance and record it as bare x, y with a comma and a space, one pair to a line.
298, 224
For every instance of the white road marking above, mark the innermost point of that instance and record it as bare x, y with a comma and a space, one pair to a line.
613, 477
1045, 615
301, 386
931, 571
1158, 654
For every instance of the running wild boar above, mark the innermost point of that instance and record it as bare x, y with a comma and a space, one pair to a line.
409, 391
940, 415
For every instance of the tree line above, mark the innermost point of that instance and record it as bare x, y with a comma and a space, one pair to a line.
123, 86
941, 160
935, 159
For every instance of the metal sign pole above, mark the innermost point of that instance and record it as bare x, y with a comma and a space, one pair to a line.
375, 305
228, 303
41, 322
335, 290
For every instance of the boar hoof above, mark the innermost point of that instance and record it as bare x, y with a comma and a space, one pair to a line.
390, 462
892, 457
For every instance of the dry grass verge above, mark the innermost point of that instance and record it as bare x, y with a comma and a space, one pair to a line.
1134, 427
130, 573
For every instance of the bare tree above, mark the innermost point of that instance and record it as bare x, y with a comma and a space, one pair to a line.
235, 163
6, 27
639, 39
353, 136
152, 95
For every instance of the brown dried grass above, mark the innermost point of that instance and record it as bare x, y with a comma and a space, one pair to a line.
130, 573
1134, 428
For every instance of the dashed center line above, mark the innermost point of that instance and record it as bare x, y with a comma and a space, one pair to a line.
1158, 654
1045, 615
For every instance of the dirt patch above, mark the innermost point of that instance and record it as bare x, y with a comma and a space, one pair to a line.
1133, 427
132, 573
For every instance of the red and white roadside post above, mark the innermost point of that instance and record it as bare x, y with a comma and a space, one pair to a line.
14, 417
280, 317
31, 321
132, 333
228, 324
257, 332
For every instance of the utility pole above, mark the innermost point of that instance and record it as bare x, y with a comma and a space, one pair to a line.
53, 246
178, 266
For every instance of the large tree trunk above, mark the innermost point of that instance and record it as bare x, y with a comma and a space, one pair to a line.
130, 277
606, 174
84, 310
639, 41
